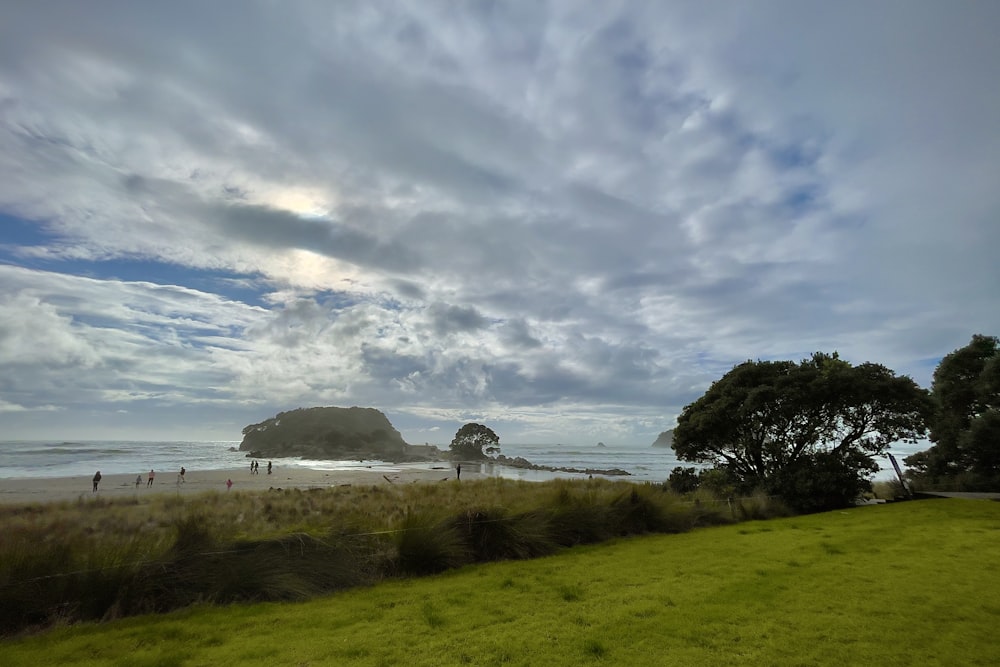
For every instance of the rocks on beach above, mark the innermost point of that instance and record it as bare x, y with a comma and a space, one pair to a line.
520, 462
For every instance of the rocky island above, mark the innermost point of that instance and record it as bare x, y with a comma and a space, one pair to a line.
332, 433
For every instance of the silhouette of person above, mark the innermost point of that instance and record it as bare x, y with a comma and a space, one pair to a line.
182, 475
458, 471
268, 467
97, 480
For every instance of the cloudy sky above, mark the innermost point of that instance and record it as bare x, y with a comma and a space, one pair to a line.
564, 219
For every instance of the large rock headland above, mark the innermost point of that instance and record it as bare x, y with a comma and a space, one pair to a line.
332, 433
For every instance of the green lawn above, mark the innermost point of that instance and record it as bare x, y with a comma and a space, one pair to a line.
904, 584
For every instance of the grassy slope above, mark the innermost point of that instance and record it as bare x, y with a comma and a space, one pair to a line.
903, 584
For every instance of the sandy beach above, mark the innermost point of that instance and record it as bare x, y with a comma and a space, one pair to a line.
39, 489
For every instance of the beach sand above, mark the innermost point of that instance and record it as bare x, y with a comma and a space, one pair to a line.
51, 489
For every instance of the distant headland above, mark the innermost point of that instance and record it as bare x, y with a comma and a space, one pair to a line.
665, 439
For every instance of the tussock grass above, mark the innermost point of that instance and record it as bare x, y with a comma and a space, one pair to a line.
102, 559
428, 544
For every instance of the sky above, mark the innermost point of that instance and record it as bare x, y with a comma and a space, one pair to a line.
561, 219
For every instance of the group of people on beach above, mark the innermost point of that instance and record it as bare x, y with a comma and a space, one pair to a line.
150, 477
255, 467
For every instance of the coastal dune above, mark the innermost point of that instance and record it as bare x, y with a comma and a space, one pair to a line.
52, 489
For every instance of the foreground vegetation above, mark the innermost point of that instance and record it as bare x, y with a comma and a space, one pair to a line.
91, 560
899, 584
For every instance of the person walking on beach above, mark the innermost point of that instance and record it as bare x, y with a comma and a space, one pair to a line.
229, 484
268, 467
97, 480
138, 480
149, 480
183, 481
458, 472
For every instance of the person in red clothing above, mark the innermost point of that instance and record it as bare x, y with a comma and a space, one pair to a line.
149, 479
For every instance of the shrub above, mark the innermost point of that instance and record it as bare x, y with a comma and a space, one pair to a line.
580, 524
759, 506
426, 545
492, 534
639, 511
683, 480
889, 489
718, 481
823, 481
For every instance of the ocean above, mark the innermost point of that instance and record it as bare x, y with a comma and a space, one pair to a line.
44, 458
40, 458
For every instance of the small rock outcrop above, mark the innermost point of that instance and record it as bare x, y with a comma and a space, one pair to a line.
525, 464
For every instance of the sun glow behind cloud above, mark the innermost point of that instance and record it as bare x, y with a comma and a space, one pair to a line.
302, 202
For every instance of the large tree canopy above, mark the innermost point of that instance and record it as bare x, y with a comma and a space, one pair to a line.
765, 418
965, 428
474, 441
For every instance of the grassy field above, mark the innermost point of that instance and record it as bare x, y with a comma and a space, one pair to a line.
899, 584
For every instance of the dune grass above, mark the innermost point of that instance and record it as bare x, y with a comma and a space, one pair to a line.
100, 560
899, 584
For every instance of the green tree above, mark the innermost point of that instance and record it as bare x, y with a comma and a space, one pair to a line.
764, 420
475, 441
965, 428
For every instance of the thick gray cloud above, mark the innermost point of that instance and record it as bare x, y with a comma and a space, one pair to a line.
566, 218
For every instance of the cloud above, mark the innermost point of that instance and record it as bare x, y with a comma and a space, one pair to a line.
451, 319
563, 216
76, 341
8, 407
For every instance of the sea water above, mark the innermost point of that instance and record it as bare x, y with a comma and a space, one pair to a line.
75, 458
41, 458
